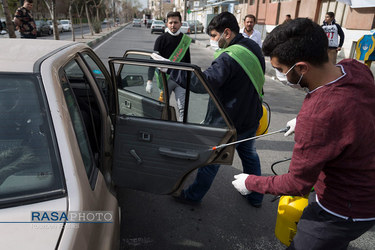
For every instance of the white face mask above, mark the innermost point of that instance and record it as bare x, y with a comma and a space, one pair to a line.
295, 86
174, 34
215, 44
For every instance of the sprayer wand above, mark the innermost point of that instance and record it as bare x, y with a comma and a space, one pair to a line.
251, 138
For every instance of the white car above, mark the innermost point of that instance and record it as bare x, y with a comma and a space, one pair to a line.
59, 25
71, 130
66, 25
185, 28
157, 26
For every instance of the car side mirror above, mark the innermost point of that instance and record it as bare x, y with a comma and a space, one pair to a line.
132, 80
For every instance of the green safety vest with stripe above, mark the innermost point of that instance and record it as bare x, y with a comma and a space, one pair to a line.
176, 56
249, 63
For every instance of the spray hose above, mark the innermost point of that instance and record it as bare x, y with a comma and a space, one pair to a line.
251, 138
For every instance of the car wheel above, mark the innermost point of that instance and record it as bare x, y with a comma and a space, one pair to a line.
152, 32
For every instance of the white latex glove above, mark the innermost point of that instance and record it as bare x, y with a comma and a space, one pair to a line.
160, 58
291, 125
149, 87
239, 183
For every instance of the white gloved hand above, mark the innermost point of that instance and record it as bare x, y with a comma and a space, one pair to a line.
149, 87
291, 125
160, 58
239, 183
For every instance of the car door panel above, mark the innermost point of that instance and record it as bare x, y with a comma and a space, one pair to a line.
150, 152
154, 152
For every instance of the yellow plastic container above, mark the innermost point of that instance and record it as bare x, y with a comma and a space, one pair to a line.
161, 97
289, 212
263, 123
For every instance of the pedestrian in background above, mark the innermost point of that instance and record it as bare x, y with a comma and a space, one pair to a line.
333, 32
173, 45
24, 20
288, 18
236, 76
334, 139
249, 32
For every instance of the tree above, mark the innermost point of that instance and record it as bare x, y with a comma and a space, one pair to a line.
80, 6
8, 19
51, 5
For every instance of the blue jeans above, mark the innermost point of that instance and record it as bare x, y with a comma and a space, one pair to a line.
206, 175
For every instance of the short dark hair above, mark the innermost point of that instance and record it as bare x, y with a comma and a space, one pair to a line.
29, 1
331, 14
288, 15
250, 16
222, 21
297, 40
174, 14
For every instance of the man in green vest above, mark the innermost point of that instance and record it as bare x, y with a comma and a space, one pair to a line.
173, 45
236, 76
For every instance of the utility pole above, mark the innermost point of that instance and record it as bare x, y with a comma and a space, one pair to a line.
185, 9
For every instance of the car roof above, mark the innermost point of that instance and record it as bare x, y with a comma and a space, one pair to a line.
22, 54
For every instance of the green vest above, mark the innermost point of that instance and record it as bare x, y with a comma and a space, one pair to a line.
176, 56
249, 63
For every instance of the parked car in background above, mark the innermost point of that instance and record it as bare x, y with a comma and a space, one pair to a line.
149, 22
3, 29
59, 25
185, 28
137, 23
70, 130
42, 28
196, 25
157, 26
66, 25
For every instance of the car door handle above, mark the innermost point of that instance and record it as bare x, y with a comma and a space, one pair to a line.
136, 157
187, 155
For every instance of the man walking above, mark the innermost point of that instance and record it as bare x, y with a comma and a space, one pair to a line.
24, 20
173, 45
236, 76
249, 32
333, 32
334, 139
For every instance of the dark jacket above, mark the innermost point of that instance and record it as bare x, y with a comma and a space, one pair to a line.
233, 88
165, 44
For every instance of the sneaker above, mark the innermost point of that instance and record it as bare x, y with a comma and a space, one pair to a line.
181, 198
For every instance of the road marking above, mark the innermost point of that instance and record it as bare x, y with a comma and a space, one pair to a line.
100, 45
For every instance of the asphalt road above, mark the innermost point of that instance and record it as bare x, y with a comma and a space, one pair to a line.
224, 220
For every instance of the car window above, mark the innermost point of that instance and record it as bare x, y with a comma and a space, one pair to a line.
100, 74
200, 108
83, 113
28, 159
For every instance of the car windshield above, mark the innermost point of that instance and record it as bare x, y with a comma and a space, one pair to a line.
49, 22
38, 22
159, 22
64, 22
28, 161
185, 24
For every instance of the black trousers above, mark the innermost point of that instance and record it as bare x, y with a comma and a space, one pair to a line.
318, 229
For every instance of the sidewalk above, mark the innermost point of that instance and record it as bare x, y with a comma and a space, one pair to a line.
90, 40
204, 40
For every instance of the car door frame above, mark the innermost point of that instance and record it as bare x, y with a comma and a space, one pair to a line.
222, 156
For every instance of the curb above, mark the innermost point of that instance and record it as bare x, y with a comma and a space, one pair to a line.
94, 42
